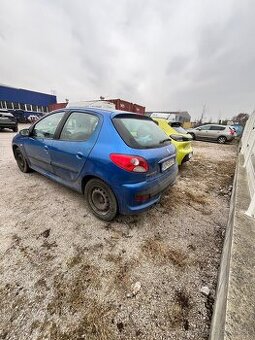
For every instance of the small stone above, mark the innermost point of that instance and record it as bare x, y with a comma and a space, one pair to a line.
205, 290
129, 295
136, 287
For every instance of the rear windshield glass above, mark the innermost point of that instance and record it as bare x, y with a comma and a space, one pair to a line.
140, 132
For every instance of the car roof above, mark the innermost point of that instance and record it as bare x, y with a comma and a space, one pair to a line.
211, 124
105, 112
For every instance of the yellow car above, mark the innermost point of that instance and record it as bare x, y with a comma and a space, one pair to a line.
180, 138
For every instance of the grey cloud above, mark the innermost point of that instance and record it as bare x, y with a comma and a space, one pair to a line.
176, 54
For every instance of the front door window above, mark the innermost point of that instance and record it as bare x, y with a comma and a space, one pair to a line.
47, 126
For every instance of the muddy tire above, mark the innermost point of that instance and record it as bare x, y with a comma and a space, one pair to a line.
101, 199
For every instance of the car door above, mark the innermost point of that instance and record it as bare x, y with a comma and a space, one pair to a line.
202, 132
216, 131
39, 141
70, 150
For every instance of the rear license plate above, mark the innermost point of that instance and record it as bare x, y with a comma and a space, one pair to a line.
166, 165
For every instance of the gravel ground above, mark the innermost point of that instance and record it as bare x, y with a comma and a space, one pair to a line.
67, 275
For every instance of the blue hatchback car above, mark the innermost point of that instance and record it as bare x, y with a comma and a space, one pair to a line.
120, 161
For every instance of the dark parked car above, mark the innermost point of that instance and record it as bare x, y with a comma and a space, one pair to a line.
7, 120
121, 162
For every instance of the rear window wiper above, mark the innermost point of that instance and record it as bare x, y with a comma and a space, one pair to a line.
165, 140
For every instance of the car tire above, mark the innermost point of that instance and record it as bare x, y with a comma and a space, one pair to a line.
15, 129
21, 161
192, 135
222, 139
101, 199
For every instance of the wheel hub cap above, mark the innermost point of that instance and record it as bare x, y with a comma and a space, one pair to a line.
100, 199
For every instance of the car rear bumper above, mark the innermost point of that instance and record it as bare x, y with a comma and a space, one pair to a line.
230, 138
8, 125
128, 193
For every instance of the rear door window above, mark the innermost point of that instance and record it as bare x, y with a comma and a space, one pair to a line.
79, 126
140, 132
217, 128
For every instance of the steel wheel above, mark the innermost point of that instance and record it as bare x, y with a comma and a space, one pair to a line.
101, 199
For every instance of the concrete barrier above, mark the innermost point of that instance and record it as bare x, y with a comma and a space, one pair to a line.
234, 308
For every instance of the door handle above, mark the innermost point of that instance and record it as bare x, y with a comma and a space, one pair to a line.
79, 155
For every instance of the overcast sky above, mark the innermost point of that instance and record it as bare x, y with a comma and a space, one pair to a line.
163, 54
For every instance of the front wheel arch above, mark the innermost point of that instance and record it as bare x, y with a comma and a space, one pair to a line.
192, 135
21, 160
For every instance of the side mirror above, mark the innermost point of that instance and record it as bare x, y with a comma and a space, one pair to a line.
199, 129
24, 132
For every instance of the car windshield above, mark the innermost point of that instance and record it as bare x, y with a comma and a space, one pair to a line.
140, 132
177, 128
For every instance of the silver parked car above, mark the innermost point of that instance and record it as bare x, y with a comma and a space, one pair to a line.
213, 132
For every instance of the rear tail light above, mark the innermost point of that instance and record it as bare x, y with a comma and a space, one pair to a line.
231, 131
130, 163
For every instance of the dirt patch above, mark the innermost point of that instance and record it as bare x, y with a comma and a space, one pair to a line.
161, 253
67, 275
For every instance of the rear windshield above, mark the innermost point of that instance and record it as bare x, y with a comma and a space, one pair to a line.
140, 132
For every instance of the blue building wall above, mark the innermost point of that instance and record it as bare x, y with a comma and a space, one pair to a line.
23, 96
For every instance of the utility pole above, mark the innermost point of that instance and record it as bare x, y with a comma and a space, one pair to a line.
202, 114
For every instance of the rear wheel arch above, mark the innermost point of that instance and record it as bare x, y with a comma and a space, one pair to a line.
87, 178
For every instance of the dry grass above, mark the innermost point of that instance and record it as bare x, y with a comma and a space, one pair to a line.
174, 315
110, 257
177, 314
160, 252
123, 274
195, 197
65, 300
72, 294
94, 325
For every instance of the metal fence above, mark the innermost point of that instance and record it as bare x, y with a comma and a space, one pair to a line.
248, 151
